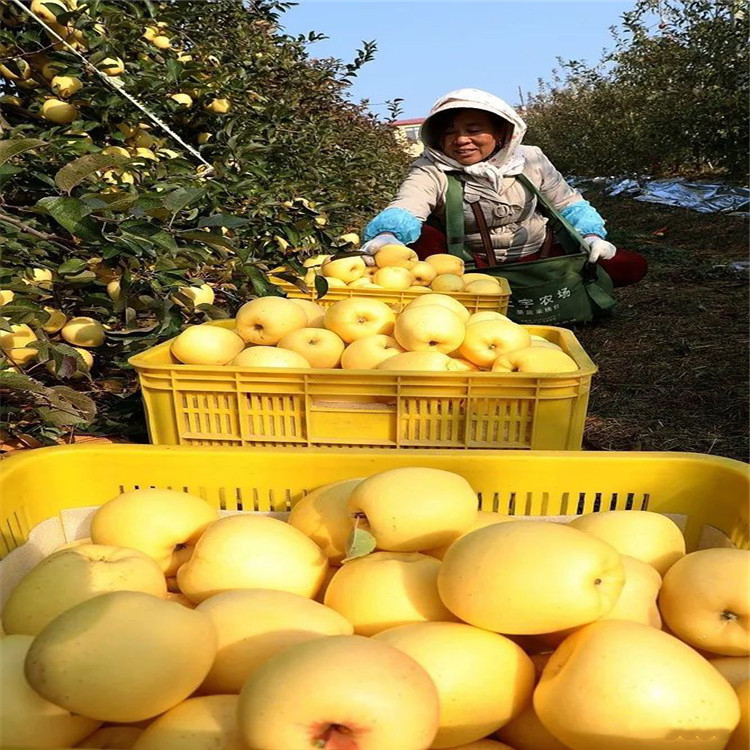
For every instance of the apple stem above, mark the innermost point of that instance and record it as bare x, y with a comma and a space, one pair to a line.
730, 616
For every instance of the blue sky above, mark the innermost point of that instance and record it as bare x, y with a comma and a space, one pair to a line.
429, 47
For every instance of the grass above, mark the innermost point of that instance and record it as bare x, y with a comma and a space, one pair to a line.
673, 360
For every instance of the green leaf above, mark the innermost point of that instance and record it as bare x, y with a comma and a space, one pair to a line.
262, 286
15, 146
321, 286
209, 238
292, 279
77, 171
72, 214
182, 197
73, 265
360, 543
15, 381
223, 220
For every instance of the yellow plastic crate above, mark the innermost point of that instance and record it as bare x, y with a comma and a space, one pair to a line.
707, 495
399, 300
240, 406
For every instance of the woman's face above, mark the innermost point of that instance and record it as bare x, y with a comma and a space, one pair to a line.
471, 137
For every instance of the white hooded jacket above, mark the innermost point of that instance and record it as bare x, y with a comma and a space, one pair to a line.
510, 210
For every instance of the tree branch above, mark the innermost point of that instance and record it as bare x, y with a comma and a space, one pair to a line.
53, 238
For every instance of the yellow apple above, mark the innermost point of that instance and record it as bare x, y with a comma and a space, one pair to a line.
396, 278
344, 692
218, 106
184, 100
200, 723
484, 744
526, 732
486, 340
252, 551
429, 328
27, 719
447, 282
117, 151
59, 112
363, 283
122, 656
158, 522
66, 86
315, 313
478, 317
252, 625
411, 509
344, 269
650, 537
440, 299
527, 577
620, 685
319, 346
198, 295
483, 518
73, 575
112, 66
17, 338
266, 320
637, 600
419, 289
740, 739
144, 154
541, 341
48, 10
385, 589
83, 331
316, 261
736, 669
323, 515
357, 317
446, 263
116, 736
482, 286
535, 359
270, 356
163, 42
469, 277
461, 365
6, 295
427, 361
483, 679
206, 345
368, 352
39, 276
88, 363
423, 273
705, 600
396, 255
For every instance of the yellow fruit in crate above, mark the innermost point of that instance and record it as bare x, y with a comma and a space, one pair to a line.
527, 577
363, 283
253, 625
316, 261
122, 656
83, 331
486, 340
74, 575
249, 551
469, 277
345, 269
320, 347
27, 719
446, 263
6, 295
482, 286
412, 509
423, 273
357, 317
184, 100
396, 278
483, 518
447, 282
535, 359
461, 365
160, 523
478, 317
650, 537
485, 744
425, 361
198, 295
206, 345
429, 328
219, 106
270, 356
195, 724
119, 736
266, 320
617, 684
333, 283
419, 289
441, 299
315, 313
465, 662
541, 341
526, 732
368, 352
705, 600
59, 112
344, 692
66, 86
323, 515
637, 600
736, 669
396, 255
386, 589
740, 739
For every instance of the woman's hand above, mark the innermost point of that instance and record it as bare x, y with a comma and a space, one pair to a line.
371, 247
599, 249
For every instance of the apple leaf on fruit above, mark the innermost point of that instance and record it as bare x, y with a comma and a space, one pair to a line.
361, 542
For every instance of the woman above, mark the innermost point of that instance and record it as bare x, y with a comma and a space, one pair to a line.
479, 136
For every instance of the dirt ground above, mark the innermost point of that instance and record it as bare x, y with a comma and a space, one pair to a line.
673, 360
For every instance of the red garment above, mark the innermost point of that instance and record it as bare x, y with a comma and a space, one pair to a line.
626, 268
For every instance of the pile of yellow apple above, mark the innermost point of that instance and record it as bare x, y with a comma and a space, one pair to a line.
398, 268
387, 613
434, 332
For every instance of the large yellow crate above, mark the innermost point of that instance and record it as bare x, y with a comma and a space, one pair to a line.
707, 495
399, 300
240, 406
